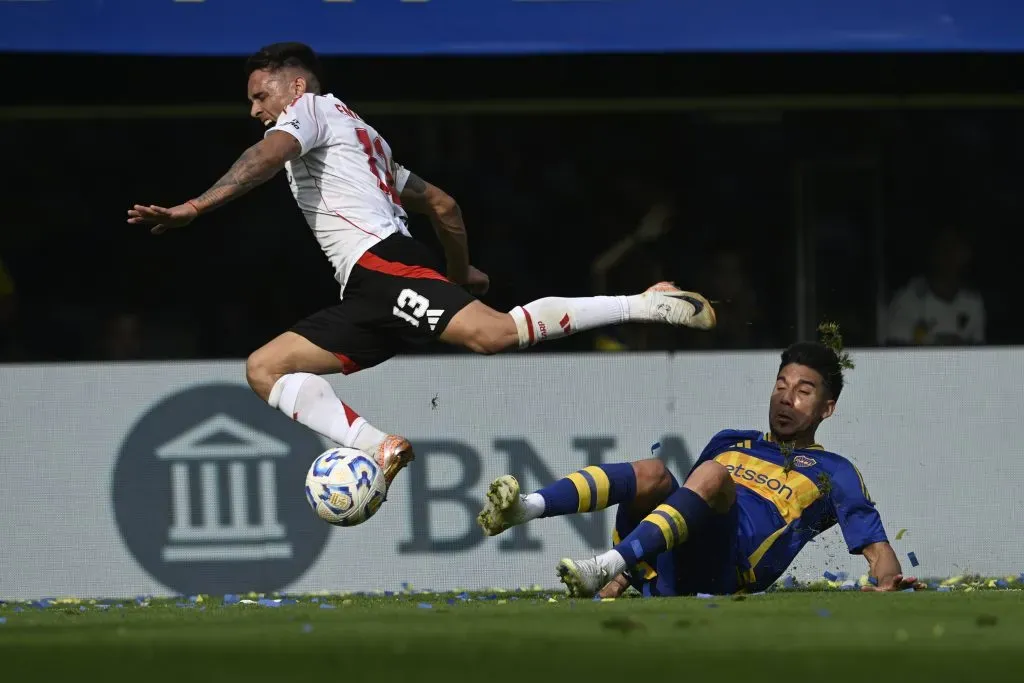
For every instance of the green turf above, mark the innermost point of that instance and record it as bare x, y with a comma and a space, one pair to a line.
787, 636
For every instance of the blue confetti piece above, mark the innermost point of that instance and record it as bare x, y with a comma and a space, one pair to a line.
655, 446
789, 582
119, 606
943, 589
193, 598
873, 581
103, 607
824, 613
289, 601
913, 559
842, 576
307, 628
405, 585
81, 608
230, 599
830, 576
513, 598
265, 602
19, 609
1001, 583
908, 590
389, 594
704, 596
315, 600
451, 601
183, 604
463, 596
425, 605
597, 598
3, 620
327, 606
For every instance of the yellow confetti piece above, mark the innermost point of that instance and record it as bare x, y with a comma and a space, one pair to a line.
199, 598
607, 599
968, 589
953, 580
502, 602
899, 534
552, 600
991, 583
346, 602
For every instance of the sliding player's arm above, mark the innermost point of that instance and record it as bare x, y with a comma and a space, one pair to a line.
419, 196
862, 528
885, 567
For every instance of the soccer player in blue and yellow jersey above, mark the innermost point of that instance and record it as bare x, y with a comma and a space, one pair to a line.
747, 507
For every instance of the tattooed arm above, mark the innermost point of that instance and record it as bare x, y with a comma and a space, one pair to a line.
257, 165
445, 215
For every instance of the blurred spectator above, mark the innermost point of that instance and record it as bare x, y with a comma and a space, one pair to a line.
122, 338
726, 281
8, 309
937, 307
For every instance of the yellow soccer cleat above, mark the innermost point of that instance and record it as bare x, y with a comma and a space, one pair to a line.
504, 508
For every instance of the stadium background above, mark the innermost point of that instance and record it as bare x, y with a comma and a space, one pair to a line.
797, 175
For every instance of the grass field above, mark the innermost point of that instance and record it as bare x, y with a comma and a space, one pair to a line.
526, 637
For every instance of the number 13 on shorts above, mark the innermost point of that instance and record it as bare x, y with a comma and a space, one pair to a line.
411, 307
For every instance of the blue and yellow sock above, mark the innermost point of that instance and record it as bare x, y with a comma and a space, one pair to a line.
590, 489
669, 525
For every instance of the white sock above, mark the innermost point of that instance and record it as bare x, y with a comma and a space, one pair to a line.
533, 506
612, 562
310, 400
554, 317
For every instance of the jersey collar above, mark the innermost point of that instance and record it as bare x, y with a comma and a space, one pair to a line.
813, 447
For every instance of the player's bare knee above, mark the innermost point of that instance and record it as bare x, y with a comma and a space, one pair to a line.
260, 373
652, 479
492, 337
710, 481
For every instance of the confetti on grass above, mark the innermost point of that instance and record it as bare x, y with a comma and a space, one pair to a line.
425, 605
830, 576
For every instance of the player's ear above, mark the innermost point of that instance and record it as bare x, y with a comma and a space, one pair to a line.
828, 409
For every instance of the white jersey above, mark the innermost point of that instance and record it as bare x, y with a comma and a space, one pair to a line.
917, 316
345, 181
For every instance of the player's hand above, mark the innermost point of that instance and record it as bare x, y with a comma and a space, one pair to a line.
477, 282
894, 583
615, 587
162, 219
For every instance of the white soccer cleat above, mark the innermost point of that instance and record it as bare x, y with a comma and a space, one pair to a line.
669, 304
394, 453
504, 508
582, 578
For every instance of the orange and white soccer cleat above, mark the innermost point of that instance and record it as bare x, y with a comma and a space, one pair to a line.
394, 453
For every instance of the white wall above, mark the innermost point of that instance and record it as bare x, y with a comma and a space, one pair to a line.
87, 503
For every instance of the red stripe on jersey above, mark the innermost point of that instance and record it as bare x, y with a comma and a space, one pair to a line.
294, 101
529, 322
376, 263
348, 366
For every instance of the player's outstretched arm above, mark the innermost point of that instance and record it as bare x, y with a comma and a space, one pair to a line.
445, 215
257, 165
885, 567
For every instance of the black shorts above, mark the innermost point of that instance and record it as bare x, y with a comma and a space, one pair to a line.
395, 299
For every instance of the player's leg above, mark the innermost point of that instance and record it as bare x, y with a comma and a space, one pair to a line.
709, 490
484, 330
635, 487
286, 374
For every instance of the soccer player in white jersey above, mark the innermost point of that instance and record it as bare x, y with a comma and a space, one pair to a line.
393, 295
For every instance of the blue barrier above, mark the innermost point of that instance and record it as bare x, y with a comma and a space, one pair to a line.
405, 27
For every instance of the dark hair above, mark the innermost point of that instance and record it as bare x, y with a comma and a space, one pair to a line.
281, 55
817, 357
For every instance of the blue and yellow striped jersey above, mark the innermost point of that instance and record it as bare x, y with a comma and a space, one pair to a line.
785, 500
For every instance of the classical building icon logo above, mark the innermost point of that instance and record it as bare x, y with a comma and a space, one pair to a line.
208, 493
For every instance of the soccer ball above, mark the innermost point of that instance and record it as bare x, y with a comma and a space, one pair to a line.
345, 487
